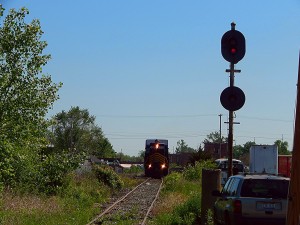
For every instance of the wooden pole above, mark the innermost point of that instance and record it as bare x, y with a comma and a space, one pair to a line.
211, 180
293, 213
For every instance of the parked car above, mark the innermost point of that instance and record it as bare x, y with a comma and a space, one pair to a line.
252, 199
223, 165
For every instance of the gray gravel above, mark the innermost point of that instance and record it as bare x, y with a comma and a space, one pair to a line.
134, 207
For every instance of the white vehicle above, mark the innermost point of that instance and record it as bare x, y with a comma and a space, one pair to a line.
223, 165
264, 159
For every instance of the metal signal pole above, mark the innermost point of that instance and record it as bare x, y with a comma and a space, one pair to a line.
230, 133
220, 153
233, 49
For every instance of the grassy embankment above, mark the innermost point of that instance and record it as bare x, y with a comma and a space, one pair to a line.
76, 204
179, 203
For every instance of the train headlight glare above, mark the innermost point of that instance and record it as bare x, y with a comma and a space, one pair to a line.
163, 166
149, 166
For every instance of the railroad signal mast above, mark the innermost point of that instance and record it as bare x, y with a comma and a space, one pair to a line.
233, 49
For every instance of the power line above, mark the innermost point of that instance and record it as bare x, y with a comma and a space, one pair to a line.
155, 116
190, 116
267, 119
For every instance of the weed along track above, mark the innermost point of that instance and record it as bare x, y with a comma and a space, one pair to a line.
132, 208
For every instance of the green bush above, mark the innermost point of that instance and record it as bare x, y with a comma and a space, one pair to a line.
195, 172
187, 213
190, 211
52, 170
52, 173
171, 180
134, 169
108, 176
7, 172
84, 189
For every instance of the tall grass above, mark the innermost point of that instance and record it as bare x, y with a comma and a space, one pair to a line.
77, 204
180, 201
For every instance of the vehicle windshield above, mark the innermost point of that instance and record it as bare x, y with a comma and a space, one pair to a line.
265, 188
224, 166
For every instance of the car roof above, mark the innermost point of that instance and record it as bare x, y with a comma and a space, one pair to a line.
226, 160
261, 176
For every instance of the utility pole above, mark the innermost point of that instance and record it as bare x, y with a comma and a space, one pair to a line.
293, 213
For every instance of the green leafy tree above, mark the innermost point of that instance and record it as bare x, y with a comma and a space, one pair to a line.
128, 158
282, 147
214, 137
242, 152
183, 147
247, 146
26, 94
200, 155
73, 136
142, 154
76, 132
238, 151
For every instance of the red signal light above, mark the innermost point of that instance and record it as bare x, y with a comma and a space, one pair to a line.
233, 50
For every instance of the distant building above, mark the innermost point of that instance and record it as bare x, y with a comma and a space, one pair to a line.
181, 159
216, 150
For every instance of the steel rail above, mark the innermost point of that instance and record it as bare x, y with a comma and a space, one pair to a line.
115, 203
152, 204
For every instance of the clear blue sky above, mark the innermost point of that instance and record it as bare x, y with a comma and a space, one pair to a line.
153, 69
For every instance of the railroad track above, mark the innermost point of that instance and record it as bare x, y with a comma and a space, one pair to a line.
133, 207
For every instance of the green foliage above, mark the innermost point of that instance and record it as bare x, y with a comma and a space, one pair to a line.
51, 176
76, 204
134, 169
188, 212
26, 94
195, 172
77, 132
239, 151
171, 180
128, 158
108, 176
214, 137
209, 217
183, 147
7, 172
142, 154
43, 173
188, 204
282, 147
200, 155
84, 189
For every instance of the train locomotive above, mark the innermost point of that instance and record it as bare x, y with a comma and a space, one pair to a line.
156, 160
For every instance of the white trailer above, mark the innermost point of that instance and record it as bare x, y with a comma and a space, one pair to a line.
263, 159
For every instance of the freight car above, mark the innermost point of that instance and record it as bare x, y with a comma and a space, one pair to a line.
156, 160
